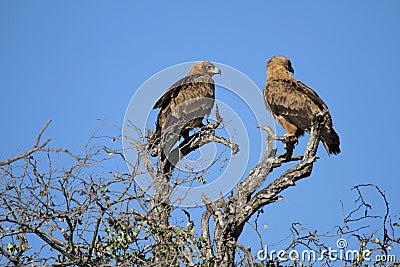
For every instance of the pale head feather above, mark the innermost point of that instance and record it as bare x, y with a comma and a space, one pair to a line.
204, 67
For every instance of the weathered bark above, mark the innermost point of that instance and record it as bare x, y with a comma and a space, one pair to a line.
231, 214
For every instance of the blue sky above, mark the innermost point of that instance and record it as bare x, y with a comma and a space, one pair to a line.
76, 61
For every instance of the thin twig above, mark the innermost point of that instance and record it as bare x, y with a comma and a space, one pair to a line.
35, 148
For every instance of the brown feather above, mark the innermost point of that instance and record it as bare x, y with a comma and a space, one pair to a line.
294, 104
186, 103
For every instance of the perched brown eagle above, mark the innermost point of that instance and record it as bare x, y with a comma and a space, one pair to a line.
294, 104
185, 104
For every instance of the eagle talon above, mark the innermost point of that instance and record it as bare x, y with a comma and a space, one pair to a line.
289, 134
291, 138
154, 150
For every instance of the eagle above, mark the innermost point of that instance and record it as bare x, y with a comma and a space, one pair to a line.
184, 105
294, 105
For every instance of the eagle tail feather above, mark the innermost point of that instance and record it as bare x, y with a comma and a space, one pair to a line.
331, 142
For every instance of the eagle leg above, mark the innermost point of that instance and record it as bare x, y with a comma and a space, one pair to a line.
288, 138
290, 141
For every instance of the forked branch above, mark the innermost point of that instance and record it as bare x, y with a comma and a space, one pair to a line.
231, 214
36, 147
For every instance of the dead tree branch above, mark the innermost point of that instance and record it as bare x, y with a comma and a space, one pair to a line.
36, 147
85, 214
230, 215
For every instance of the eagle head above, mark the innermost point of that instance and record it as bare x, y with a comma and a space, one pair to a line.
204, 67
279, 65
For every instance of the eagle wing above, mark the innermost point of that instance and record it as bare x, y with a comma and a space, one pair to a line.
172, 92
298, 104
190, 97
294, 101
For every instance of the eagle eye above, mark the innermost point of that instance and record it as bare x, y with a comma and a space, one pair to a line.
209, 67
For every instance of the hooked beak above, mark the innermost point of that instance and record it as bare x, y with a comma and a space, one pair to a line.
290, 69
217, 71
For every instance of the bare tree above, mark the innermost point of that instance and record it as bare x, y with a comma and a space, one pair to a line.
58, 208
